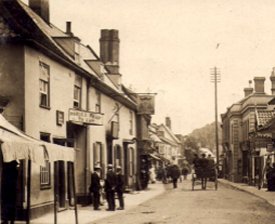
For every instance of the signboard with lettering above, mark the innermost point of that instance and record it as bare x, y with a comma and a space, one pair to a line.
146, 104
85, 117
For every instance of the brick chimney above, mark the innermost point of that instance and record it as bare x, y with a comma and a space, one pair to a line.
272, 78
259, 85
249, 90
41, 8
109, 53
168, 122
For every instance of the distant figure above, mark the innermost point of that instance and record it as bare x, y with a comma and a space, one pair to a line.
110, 185
185, 171
174, 174
95, 187
120, 187
152, 175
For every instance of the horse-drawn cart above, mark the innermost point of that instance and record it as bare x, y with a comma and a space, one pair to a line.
201, 176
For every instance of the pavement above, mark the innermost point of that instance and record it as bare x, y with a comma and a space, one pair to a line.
86, 215
267, 196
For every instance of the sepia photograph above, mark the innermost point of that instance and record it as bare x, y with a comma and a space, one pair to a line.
138, 111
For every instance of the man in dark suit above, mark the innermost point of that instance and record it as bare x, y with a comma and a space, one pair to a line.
120, 187
110, 186
95, 187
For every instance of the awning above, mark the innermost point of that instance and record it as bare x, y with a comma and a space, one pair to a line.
155, 138
154, 156
16, 145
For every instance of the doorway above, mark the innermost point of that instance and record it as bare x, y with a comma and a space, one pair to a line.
59, 183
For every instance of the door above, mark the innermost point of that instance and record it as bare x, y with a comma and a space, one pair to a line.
126, 164
59, 183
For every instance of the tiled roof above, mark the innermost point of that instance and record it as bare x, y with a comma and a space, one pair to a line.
264, 117
5, 30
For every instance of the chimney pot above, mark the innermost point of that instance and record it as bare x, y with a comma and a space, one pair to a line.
272, 79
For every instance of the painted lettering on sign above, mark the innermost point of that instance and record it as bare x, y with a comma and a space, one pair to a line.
85, 117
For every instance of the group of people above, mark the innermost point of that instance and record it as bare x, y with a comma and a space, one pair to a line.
113, 184
172, 172
203, 163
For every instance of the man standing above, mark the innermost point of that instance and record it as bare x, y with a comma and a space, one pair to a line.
110, 185
175, 174
95, 187
120, 187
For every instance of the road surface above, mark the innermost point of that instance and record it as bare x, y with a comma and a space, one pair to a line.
181, 205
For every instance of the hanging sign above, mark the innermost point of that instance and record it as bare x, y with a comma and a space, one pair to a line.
146, 104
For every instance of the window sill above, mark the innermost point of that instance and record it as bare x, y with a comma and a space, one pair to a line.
45, 107
45, 187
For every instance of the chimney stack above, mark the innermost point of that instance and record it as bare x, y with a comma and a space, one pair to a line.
168, 122
259, 85
109, 54
109, 49
41, 8
69, 28
272, 78
249, 90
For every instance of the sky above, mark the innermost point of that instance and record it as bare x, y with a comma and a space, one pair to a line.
168, 47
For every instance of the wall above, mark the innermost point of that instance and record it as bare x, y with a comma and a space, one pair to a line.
38, 119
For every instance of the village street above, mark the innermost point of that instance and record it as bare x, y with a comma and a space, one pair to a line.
181, 205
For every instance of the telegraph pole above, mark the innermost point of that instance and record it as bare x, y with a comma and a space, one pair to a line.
216, 78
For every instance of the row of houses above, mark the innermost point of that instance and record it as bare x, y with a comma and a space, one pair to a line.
56, 89
248, 134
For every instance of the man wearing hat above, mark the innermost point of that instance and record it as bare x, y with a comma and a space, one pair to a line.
110, 185
95, 186
120, 187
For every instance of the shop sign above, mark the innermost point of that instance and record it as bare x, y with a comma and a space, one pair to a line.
85, 117
146, 104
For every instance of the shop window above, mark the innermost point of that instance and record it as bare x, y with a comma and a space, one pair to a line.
77, 91
45, 171
45, 175
44, 85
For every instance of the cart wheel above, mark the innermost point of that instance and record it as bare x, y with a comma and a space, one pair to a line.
216, 183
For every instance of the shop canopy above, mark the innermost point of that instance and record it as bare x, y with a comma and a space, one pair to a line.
16, 146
